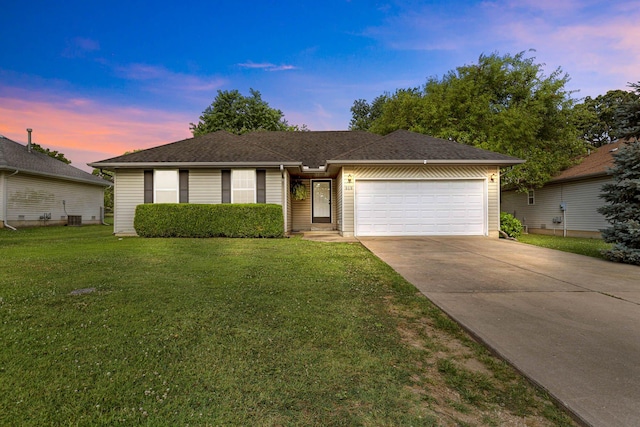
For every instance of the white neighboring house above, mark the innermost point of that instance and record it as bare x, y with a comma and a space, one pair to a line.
568, 204
38, 190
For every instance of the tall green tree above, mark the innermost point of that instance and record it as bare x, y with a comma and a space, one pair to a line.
623, 206
364, 114
235, 113
596, 118
51, 153
502, 103
623, 194
628, 115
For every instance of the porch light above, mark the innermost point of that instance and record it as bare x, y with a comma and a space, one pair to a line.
493, 177
349, 178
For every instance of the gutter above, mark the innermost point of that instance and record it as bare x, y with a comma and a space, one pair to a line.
6, 186
427, 162
199, 165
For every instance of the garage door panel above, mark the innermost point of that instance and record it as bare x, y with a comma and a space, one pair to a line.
395, 208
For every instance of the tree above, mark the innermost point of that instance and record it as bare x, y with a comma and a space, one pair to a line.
364, 114
623, 194
108, 192
623, 208
628, 115
55, 154
597, 119
235, 113
504, 104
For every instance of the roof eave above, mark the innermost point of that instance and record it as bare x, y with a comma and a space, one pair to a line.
579, 177
195, 165
428, 162
61, 177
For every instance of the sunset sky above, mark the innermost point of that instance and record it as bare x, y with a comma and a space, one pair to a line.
96, 79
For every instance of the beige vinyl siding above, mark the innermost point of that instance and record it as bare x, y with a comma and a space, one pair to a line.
493, 201
129, 193
2, 191
338, 200
205, 186
301, 210
422, 172
581, 217
287, 189
29, 197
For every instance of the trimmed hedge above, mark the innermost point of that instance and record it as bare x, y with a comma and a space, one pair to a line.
221, 220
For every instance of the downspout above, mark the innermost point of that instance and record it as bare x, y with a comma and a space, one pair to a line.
5, 201
284, 197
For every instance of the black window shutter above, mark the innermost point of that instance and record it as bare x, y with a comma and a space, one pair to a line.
148, 186
226, 186
184, 186
261, 186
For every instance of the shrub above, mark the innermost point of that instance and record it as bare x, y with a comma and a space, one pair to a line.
510, 225
221, 220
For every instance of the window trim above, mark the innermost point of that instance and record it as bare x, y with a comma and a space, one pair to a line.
531, 197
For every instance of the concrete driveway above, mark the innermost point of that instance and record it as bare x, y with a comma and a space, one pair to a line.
570, 323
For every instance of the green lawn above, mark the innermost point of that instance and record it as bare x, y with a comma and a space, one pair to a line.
576, 245
264, 332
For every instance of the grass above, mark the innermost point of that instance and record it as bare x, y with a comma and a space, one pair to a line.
576, 245
264, 332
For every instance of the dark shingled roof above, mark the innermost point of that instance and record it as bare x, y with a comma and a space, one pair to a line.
312, 149
405, 145
595, 164
15, 157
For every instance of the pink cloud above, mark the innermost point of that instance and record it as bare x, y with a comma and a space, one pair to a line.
89, 130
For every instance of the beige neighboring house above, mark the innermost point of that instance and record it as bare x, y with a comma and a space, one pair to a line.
568, 204
38, 190
356, 183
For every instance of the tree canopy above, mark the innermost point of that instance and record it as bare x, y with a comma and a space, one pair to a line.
628, 115
235, 113
51, 153
503, 103
597, 118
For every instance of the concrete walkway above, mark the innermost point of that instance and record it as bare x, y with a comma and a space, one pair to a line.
570, 323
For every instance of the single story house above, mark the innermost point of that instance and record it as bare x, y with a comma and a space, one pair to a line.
356, 183
36, 190
568, 204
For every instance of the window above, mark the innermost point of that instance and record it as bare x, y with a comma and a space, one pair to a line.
531, 198
166, 186
243, 186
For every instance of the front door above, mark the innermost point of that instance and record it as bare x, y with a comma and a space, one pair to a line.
321, 201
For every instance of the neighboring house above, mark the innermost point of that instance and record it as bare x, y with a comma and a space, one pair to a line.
358, 183
568, 204
36, 189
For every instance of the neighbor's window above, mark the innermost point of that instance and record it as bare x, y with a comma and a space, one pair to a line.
243, 186
531, 198
166, 186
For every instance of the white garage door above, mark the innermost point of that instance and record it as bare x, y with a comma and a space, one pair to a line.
420, 208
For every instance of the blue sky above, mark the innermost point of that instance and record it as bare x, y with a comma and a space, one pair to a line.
95, 79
